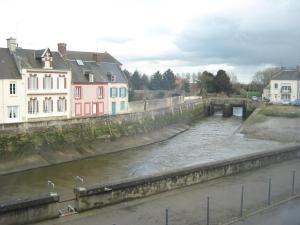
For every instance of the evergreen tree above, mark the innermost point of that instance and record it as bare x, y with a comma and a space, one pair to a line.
222, 82
136, 81
156, 81
168, 80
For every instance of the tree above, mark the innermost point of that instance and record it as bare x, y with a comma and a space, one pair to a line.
222, 82
263, 77
207, 83
128, 76
187, 88
136, 81
168, 80
156, 81
145, 81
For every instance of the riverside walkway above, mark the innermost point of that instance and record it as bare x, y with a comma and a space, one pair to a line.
188, 206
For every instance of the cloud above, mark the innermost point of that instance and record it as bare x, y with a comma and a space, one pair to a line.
270, 37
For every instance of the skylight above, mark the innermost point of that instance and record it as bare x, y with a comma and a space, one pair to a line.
79, 62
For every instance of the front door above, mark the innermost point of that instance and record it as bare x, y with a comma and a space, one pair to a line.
113, 108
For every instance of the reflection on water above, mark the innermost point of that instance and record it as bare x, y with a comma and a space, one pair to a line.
212, 139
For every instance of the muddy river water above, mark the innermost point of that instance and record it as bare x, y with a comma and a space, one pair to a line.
212, 139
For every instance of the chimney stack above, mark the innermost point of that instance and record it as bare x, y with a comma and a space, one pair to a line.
62, 49
12, 44
96, 57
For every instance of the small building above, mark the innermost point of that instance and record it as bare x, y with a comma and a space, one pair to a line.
285, 86
99, 86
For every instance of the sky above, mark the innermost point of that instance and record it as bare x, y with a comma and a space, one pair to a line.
239, 36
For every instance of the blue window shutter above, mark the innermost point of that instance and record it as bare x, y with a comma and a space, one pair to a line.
110, 92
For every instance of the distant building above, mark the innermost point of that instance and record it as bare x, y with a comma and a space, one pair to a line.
285, 86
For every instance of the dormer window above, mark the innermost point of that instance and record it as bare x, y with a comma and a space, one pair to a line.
47, 60
91, 77
111, 77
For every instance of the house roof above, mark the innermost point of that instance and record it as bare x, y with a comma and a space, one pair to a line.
88, 56
287, 75
108, 65
8, 67
30, 59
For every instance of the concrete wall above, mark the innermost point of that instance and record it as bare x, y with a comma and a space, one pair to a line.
147, 105
102, 195
29, 210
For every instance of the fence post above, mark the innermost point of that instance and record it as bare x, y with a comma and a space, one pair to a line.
293, 182
207, 211
242, 201
167, 216
269, 192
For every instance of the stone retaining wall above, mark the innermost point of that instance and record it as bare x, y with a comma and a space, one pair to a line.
102, 195
29, 210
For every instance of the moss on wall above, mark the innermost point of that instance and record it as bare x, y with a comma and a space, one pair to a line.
82, 134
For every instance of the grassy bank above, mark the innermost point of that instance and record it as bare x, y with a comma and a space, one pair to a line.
280, 111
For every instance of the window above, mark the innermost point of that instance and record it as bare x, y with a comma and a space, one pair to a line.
113, 92
286, 88
13, 112
78, 109
33, 82
113, 78
12, 88
61, 82
48, 82
285, 97
61, 104
33, 106
122, 92
275, 85
48, 105
91, 77
122, 105
100, 92
78, 92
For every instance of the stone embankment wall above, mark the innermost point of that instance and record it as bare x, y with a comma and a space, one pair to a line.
102, 195
40, 136
29, 210
148, 105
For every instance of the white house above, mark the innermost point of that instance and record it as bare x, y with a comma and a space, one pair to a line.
43, 86
285, 86
12, 105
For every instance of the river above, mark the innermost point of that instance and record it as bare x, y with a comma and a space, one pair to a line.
214, 138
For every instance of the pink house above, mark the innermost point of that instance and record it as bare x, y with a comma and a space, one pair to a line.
89, 81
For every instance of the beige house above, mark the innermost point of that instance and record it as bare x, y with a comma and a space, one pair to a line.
285, 86
41, 88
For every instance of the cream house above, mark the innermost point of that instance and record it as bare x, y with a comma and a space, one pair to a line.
285, 86
12, 105
45, 83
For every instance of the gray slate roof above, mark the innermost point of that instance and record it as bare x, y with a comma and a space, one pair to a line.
108, 64
287, 75
28, 59
8, 67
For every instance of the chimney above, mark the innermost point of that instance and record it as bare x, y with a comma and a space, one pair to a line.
62, 49
96, 57
12, 44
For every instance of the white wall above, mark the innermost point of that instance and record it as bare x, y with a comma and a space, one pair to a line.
275, 93
6, 100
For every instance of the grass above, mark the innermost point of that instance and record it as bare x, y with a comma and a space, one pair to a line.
281, 111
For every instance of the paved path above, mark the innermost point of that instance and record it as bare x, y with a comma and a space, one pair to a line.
187, 206
285, 214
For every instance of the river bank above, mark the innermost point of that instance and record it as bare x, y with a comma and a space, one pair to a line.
273, 122
47, 158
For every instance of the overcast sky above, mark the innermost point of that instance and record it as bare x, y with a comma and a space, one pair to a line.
241, 36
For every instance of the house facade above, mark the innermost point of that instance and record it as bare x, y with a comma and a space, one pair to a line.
94, 75
45, 88
12, 106
285, 86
